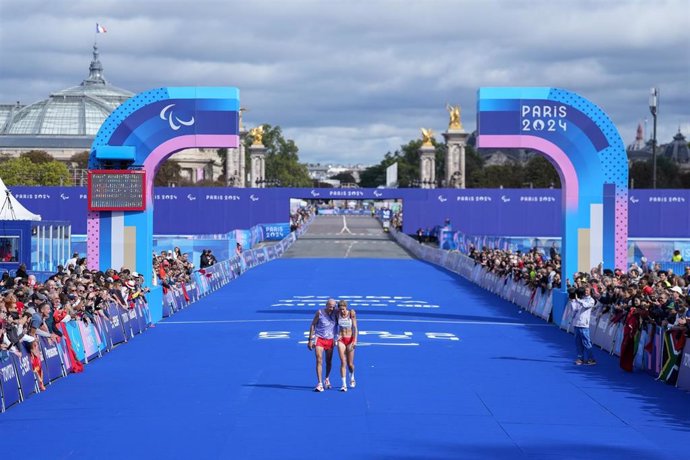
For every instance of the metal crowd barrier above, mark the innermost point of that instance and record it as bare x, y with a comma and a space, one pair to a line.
655, 353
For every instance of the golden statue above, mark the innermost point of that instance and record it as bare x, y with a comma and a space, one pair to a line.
427, 135
454, 112
257, 134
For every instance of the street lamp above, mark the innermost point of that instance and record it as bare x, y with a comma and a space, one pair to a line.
653, 105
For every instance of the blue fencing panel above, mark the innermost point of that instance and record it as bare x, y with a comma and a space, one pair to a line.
9, 382
117, 331
75, 338
27, 378
126, 323
89, 340
51, 357
167, 305
64, 358
141, 317
276, 232
134, 322
103, 328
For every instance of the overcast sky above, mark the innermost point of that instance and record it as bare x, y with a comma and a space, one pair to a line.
350, 80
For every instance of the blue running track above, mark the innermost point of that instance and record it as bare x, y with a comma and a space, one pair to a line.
444, 370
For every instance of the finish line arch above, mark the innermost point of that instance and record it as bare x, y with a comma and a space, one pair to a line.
582, 143
137, 138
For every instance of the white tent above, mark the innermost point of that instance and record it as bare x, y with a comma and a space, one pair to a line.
11, 209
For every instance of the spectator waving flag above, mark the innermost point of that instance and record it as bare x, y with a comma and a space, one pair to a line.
100, 29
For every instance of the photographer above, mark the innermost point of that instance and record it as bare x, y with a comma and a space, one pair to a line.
582, 305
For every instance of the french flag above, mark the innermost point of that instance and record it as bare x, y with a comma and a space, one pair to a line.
100, 29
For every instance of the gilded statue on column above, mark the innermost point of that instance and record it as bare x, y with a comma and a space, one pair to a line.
257, 134
427, 136
454, 113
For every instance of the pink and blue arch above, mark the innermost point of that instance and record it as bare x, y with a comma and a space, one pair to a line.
585, 147
140, 135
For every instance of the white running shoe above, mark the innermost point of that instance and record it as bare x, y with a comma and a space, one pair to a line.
352, 383
327, 383
319, 387
343, 388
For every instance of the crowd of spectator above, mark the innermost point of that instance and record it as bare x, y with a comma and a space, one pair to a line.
533, 267
652, 294
30, 309
300, 217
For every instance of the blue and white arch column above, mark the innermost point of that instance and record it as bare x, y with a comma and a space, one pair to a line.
155, 124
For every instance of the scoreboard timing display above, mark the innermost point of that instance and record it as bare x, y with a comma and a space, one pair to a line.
117, 190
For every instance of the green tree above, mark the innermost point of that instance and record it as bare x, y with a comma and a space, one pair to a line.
345, 177
22, 171
168, 174
81, 159
407, 158
507, 176
282, 159
37, 156
667, 174
474, 165
223, 155
541, 173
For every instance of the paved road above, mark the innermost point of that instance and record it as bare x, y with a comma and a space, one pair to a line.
348, 237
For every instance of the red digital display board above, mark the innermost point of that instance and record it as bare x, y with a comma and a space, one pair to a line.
116, 190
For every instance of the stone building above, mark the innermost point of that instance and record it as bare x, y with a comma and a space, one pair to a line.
68, 120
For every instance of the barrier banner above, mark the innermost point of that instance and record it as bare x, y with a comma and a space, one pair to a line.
618, 339
51, 358
27, 378
658, 350
9, 382
167, 305
75, 339
260, 256
598, 335
133, 320
276, 232
64, 353
271, 252
117, 332
684, 370
124, 319
248, 257
96, 336
146, 312
141, 320
89, 341
104, 330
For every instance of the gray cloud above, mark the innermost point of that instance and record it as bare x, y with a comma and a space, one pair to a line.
350, 80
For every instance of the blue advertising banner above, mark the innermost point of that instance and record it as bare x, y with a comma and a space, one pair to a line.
116, 330
275, 232
491, 212
27, 378
51, 357
104, 330
9, 381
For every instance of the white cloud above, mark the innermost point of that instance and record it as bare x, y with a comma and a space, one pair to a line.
351, 80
